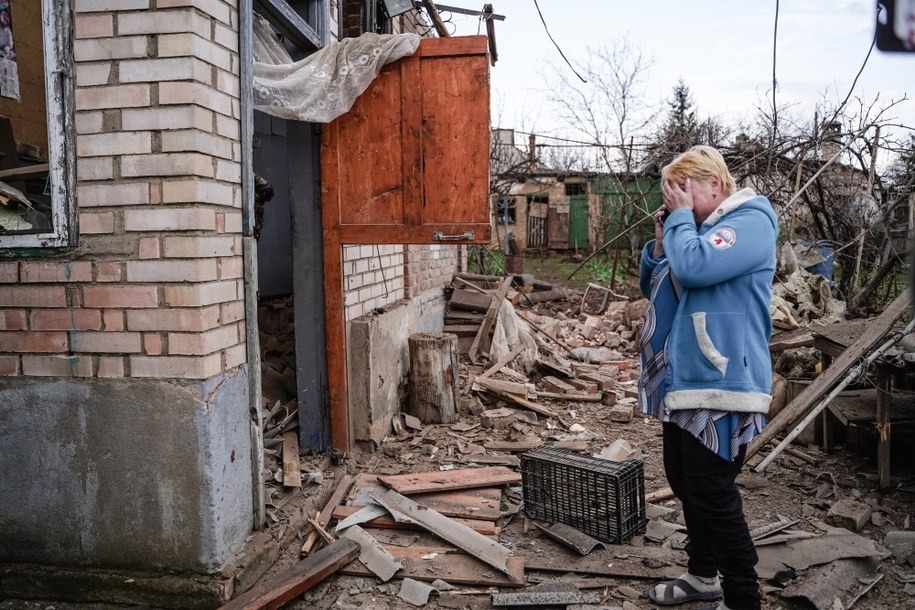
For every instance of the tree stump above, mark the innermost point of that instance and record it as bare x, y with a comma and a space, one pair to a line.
433, 377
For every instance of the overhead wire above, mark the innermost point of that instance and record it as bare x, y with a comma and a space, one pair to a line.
555, 44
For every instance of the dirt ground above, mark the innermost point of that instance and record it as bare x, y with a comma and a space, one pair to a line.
790, 488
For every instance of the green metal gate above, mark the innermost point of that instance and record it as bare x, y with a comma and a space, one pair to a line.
578, 222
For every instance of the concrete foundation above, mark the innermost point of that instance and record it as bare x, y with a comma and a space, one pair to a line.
378, 360
126, 473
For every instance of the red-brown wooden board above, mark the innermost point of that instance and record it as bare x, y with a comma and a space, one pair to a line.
468, 478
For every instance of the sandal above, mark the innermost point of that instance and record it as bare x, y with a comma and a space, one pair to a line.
687, 593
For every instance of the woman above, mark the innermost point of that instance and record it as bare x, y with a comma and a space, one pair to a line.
706, 371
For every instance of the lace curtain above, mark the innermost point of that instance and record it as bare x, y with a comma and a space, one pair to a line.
325, 84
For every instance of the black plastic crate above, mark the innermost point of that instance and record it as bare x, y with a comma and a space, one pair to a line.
601, 498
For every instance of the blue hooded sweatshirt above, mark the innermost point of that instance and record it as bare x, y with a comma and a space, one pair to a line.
718, 347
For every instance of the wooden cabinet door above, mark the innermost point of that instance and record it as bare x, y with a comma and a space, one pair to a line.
409, 163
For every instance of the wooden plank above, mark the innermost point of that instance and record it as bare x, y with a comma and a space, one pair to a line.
481, 342
662, 494
411, 121
28, 172
462, 317
469, 301
461, 330
485, 528
431, 563
484, 549
499, 385
467, 478
794, 412
455, 45
327, 512
474, 503
291, 583
292, 476
522, 402
432, 10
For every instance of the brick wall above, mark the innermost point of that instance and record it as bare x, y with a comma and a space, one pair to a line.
154, 288
432, 267
373, 277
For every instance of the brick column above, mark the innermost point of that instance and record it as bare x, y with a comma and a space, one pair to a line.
128, 354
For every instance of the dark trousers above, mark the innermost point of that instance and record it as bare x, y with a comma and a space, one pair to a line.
719, 540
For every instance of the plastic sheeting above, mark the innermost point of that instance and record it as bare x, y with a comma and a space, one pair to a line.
511, 331
325, 84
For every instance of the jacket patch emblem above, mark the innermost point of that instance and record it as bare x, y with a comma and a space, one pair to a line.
723, 238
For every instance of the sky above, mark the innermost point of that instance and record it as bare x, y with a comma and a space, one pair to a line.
722, 49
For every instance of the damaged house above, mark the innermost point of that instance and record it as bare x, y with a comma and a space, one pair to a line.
134, 150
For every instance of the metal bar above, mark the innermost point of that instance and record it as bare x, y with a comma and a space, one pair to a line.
290, 24
458, 10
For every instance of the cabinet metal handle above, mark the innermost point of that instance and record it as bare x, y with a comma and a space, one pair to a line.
439, 236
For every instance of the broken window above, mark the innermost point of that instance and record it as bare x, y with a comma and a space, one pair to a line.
575, 188
36, 171
505, 211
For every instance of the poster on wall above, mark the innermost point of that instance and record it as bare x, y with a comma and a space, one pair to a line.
9, 71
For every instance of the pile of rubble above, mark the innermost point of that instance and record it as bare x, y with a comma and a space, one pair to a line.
436, 515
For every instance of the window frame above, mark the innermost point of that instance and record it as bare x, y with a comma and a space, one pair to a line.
57, 25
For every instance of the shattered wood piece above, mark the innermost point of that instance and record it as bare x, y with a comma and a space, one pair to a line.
328, 537
485, 528
482, 340
468, 300
324, 518
522, 402
797, 408
414, 592
552, 364
544, 296
554, 384
515, 446
501, 364
363, 515
292, 476
461, 330
463, 537
501, 460
455, 479
794, 451
779, 344
660, 495
372, 554
429, 564
546, 594
497, 385
571, 537
301, 577
571, 445
771, 528
456, 316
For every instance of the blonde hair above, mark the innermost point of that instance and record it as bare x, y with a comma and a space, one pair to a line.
700, 162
